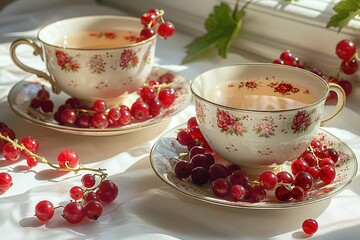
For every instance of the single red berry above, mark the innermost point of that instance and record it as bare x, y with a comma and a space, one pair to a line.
166, 29
44, 210
68, 159
310, 226
345, 49
154, 107
147, 33
47, 106
167, 96
349, 67
99, 120
5, 181
108, 191
99, 106
140, 110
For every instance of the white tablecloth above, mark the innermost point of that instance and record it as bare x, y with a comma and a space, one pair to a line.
146, 207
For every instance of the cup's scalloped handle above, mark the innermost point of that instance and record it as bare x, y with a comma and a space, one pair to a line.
37, 51
341, 100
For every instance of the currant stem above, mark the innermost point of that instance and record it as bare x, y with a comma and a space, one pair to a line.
44, 160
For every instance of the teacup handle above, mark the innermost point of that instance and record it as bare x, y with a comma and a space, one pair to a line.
341, 99
37, 51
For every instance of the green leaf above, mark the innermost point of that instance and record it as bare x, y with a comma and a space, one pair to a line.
345, 10
222, 26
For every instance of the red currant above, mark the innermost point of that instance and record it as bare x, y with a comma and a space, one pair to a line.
88, 180
237, 192
68, 159
304, 180
93, 209
10, 152
327, 173
44, 210
68, 116
99, 106
310, 226
216, 171
283, 193
31, 162
147, 33
76, 193
31, 144
140, 110
297, 192
183, 169
99, 120
167, 96
74, 212
268, 180
200, 175
349, 67
108, 191
345, 49
5, 181
166, 29
221, 187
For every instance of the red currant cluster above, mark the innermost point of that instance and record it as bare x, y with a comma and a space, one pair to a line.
153, 22
42, 101
87, 200
153, 98
315, 164
345, 50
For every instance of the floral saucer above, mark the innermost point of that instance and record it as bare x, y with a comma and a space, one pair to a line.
21, 94
165, 151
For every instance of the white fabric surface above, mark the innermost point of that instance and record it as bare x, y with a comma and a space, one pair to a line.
146, 208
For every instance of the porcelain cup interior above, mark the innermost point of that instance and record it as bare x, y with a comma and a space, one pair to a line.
260, 115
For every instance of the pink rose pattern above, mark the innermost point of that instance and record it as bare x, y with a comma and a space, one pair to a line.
301, 122
66, 62
229, 124
128, 59
266, 128
97, 64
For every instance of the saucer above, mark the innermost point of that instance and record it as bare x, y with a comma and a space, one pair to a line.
21, 94
165, 151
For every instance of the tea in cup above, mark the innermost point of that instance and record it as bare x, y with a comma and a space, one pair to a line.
92, 57
261, 115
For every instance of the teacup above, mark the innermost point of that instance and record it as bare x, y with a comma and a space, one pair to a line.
92, 57
261, 115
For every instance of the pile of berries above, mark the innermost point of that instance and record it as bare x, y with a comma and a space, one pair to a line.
87, 200
153, 98
153, 22
316, 164
201, 166
346, 50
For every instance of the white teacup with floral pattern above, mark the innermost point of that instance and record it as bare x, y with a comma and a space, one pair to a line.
261, 115
104, 60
